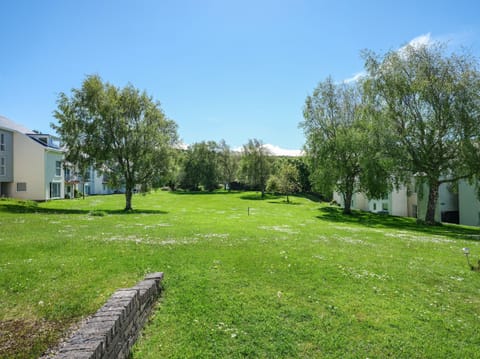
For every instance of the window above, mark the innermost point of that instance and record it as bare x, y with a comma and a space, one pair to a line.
374, 206
21, 186
2, 142
66, 173
3, 170
384, 206
55, 190
58, 168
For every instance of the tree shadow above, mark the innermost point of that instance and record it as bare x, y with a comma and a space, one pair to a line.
373, 220
284, 202
203, 192
27, 207
312, 196
258, 197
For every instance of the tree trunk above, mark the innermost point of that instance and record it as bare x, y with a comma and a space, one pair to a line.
347, 198
128, 199
432, 202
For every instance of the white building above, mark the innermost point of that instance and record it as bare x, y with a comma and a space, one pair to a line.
94, 182
462, 206
468, 204
30, 163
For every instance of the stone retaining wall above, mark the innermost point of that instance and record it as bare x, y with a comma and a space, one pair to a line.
112, 331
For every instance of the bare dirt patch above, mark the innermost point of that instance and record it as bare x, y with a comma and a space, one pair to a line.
25, 338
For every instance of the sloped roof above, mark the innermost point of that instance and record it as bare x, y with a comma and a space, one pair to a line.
7, 124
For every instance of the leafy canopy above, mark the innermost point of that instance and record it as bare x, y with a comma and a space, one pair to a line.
339, 143
122, 132
426, 106
255, 164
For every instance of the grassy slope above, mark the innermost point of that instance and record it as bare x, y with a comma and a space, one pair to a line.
288, 280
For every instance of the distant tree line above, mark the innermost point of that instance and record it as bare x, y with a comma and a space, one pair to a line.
210, 165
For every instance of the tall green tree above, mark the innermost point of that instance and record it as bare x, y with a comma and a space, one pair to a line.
121, 131
427, 106
338, 143
256, 164
303, 173
201, 167
227, 163
288, 179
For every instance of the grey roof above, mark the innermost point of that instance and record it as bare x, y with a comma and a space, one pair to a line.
7, 124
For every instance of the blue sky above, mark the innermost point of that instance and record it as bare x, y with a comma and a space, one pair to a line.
221, 69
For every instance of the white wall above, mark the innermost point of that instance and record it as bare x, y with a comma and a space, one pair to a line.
337, 197
448, 200
398, 202
7, 155
469, 205
99, 186
360, 201
28, 167
378, 205
51, 158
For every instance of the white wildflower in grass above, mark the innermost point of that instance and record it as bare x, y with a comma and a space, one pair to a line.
283, 229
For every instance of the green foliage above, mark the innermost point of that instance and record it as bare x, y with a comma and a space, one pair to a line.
228, 163
288, 179
273, 184
303, 173
339, 143
200, 167
302, 281
426, 105
255, 165
121, 131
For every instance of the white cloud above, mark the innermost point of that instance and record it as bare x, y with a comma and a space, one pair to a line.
416, 43
278, 151
274, 150
181, 145
355, 77
452, 40
422, 40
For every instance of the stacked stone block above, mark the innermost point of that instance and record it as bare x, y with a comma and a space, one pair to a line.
114, 328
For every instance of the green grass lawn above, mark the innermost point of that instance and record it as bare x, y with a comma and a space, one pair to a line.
243, 277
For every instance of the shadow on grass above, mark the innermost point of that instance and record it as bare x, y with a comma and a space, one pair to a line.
291, 203
258, 197
32, 207
335, 214
181, 192
314, 197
